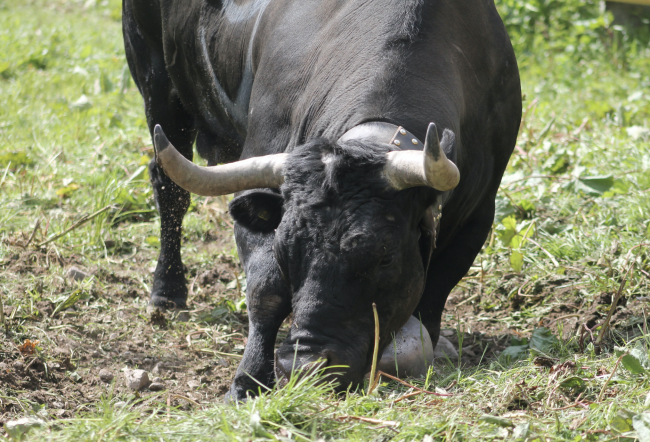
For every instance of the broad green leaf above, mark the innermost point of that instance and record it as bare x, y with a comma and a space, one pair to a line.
641, 423
573, 383
517, 260
69, 302
495, 420
515, 341
521, 431
632, 364
622, 421
510, 223
595, 185
515, 242
503, 209
515, 351
507, 229
636, 361
542, 339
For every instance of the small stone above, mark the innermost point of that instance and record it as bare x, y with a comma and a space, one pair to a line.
468, 351
96, 354
157, 380
77, 274
136, 379
18, 428
447, 333
183, 316
159, 368
155, 386
18, 365
223, 362
127, 355
58, 405
193, 384
203, 379
3, 366
445, 348
106, 376
147, 361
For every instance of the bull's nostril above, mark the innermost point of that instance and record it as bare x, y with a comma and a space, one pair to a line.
288, 364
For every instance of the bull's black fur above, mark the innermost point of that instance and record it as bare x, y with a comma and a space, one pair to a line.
254, 77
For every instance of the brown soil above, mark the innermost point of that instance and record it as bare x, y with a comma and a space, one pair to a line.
110, 329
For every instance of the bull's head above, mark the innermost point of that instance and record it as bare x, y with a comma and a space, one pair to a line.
351, 228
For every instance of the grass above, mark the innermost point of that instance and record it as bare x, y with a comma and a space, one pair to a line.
574, 202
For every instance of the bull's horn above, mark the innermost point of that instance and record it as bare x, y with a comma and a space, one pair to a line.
412, 168
252, 173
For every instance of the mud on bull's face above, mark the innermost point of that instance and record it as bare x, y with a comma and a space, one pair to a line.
344, 240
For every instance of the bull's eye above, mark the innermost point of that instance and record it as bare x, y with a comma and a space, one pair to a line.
387, 260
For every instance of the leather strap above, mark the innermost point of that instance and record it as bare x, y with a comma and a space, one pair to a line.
387, 133
400, 139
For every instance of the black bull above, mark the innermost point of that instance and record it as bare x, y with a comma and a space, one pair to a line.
250, 78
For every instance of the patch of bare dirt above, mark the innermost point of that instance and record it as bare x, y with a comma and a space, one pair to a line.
109, 330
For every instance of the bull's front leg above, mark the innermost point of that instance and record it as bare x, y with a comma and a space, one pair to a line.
269, 303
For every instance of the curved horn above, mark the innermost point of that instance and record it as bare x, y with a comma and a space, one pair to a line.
252, 173
412, 168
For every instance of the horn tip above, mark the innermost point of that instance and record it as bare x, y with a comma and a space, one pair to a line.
160, 140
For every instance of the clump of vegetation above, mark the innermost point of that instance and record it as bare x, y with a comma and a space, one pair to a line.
550, 322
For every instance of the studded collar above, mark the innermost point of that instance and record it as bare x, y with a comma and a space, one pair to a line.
388, 133
401, 139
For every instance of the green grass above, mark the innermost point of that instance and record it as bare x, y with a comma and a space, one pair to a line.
575, 201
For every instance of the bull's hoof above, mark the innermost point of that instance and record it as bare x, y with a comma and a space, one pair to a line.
164, 304
237, 394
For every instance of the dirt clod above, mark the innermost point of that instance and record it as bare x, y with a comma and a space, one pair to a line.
106, 375
158, 318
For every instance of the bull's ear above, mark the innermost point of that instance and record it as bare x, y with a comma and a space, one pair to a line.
258, 211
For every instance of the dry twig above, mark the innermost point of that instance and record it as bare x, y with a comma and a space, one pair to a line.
83, 220
374, 380
369, 420
600, 396
381, 373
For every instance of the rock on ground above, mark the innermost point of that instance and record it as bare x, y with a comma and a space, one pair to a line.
106, 375
444, 347
16, 429
77, 274
136, 379
156, 386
